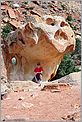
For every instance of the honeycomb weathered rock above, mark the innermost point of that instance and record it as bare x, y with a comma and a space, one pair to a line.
45, 41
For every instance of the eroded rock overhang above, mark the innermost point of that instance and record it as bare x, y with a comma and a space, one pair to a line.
45, 40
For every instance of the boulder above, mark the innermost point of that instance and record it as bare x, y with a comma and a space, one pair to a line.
4, 91
44, 39
73, 78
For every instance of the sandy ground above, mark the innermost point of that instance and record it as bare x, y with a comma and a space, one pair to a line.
42, 105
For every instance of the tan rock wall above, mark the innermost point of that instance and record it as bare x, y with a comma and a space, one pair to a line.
45, 41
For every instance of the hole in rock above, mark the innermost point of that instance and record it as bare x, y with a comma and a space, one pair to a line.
14, 60
60, 34
52, 24
63, 24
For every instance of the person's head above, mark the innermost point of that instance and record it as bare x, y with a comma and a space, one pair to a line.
38, 64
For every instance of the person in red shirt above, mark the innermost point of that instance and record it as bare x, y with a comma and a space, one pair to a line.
38, 73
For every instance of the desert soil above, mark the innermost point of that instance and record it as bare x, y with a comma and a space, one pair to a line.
42, 105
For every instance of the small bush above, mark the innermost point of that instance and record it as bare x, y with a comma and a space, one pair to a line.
74, 28
6, 29
69, 18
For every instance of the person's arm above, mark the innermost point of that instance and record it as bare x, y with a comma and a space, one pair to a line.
41, 70
35, 71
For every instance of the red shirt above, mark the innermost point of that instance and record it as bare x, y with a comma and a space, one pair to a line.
38, 69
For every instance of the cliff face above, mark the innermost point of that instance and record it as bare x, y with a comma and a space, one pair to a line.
44, 40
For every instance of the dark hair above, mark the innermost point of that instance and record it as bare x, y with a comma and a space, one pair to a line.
38, 63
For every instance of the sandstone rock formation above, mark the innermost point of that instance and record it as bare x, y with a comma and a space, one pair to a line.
43, 39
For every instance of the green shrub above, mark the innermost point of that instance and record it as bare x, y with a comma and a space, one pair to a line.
77, 53
74, 28
69, 18
78, 46
5, 30
66, 67
68, 64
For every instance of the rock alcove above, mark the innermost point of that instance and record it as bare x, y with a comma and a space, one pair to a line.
46, 40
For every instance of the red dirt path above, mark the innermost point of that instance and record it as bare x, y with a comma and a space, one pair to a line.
45, 105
